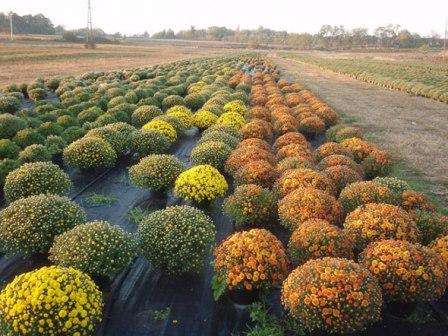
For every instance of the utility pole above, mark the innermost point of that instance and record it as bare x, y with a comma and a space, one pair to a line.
90, 43
10, 26
446, 35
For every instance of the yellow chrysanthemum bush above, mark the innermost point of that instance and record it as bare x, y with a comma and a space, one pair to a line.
235, 106
52, 300
377, 221
200, 183
406, 272
183, 113
163, 127
231, 119
251, 205
303, 204
156, 172
36, 178
250, 260
359, 193
316, 238
30, 224
177, 238
89, 153
203, 119
97, 248
214, 153
333, 295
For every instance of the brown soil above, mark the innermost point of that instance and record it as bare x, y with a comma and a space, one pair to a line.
413, 129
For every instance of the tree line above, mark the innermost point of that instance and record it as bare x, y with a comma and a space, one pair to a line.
27, 24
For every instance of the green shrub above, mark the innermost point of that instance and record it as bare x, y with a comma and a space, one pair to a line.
218, 136
7, 166
194, 101
35, 153
118, 135
146, 142
10, 125
90, 114
89, 153
9, 104
37, 93
50, 128
171, 101
67, 121
30, 224
214, 153
97, 248
177, 238
73, 133
116, 101
28, 136
144, 114
55, 144
8, 149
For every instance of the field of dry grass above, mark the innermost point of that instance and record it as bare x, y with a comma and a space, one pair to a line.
23, 61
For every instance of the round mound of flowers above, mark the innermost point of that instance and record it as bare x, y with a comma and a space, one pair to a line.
440, 246
35, 153
29, 224
331, 148
414, 200
144, 114
257, 128
177, 238
341, 132
406, 272
118, 135
359, 148
251, 205
377, 163
231, 119
246, 154
431, 225
89, 153
183, 113
36, 178
163, 127
144, 143
235, 106
255, 142
311, 126
225, 129
396, 185
52, 300
303, 204
288, 139
156, 172
203, 119
295, 150
340, 160
214, 153
301, 178
333, 295
258, 172
341, 176
250, 260
201, 183
220, 136
294, 162
359, 193
97, 248
377, 221
316, 238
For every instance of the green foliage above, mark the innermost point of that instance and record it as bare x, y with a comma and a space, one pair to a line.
100, 199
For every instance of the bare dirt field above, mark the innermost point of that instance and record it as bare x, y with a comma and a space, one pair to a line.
413, 129
24, 61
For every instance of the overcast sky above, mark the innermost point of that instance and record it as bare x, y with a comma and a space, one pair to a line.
136, 16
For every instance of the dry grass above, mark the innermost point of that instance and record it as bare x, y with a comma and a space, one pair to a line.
24, 61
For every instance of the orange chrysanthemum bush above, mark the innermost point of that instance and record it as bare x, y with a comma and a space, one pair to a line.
440, 246
311, 126
327, 114
283, 123
257, 128
250, 260
333, 295
431, 225
259, 172
254, 142
377, 221
294, 162
295, 150
414, 200
378, 163
301, 178
331, 148
342, 176
259, 112
406, 272
293, 99
288, 139
360, 149
251, 205
308, 203
293, 87
316, 238
244, 155
340, 160
359, 193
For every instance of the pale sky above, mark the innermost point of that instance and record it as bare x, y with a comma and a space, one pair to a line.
136, 16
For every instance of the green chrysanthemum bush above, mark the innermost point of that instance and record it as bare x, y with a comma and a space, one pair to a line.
359, 193
406, 272
203, 119
35, 153
218, 136
118, 135
144, 114
89, 153
55, 144
29, 224
333, 295
163, 127
224, 129
156, 172
294, 162
149, 142
183, 113
396, 185
28, 136
340, 132
52, 300
8, 149
97, 248
377, 221
177, 239
201, 183
194, 101
431, 225
171, 101
231, 119
36, 178
10, 125
214, 153
251, 205
7, 166
179, 125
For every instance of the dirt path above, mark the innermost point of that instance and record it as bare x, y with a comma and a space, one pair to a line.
413, 129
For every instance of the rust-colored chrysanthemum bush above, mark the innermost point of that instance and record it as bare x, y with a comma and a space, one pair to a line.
308, 203
414, 200
340, 160
246, 154
251, 205
259, 172
406, 272
360, 149
257, 128
377, 221
295, 150
440, 247
255, 142
316, 238
250, 260
311, 126
377, 163
288, 139
342, 176
333, 295
331, 148
294, 162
